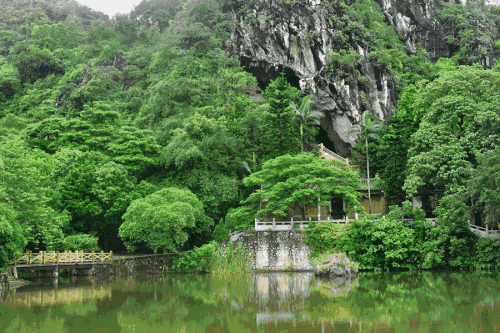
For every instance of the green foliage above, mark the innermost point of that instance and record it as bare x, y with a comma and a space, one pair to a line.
164, 220
98, 129
233, 258
324, 237
197, 260
212, 257
12, 240
79, 242
302, 179
241, 217
461, 121
35, 63
11, 124
279, 135
483, 186
27, 187
221, 232
460, 22
305, 116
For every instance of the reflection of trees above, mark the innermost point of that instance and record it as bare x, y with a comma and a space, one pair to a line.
401, 302
424, 300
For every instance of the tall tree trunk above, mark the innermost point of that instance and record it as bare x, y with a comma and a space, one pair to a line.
368, 177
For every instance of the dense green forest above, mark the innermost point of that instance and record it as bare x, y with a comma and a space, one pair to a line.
107, 123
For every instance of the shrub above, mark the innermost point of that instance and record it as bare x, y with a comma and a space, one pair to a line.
324, 237
197, 260
80, 242
221, 232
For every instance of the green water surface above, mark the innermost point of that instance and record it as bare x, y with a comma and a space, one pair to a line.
277, 302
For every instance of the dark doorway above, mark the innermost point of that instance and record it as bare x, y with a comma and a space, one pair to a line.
322, 137
337, 208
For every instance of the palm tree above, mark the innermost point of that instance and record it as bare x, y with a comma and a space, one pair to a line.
304, 115
368, 128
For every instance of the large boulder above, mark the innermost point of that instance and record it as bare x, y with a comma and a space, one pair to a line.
336, 264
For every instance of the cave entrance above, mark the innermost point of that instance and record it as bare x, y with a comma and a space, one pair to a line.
265, 73
322, 137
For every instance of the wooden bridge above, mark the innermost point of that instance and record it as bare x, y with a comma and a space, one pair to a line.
77, 262
60, 295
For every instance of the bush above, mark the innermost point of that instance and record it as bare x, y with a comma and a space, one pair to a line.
197, 260
390, 242
80, 242
221, 232
324, 237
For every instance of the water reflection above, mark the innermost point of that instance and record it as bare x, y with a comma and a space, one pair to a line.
401, 302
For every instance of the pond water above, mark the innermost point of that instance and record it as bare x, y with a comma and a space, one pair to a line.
273, 302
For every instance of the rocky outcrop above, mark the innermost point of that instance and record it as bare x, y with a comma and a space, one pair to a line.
297, 36
418, 22
337, 264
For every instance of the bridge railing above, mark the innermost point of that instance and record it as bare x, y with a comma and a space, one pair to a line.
233, 236
292, 225
485, 231
325, 152
54, 257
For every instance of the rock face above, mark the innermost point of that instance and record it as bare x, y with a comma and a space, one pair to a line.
336, 265
418, 22
297, 36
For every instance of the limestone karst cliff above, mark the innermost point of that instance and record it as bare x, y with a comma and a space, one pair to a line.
299, 37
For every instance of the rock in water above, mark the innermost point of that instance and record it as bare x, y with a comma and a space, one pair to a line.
336, 264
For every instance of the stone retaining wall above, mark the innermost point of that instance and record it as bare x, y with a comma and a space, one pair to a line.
4, 286
278, 251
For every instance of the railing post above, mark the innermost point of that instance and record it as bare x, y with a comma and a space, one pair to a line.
102, 256
111, 256
29, 258
291, 223
274, 224
57, 257
93, 256
43, 257
256, 223
487, 232
346, 219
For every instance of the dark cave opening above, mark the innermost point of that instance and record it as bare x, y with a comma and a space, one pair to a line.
322, 137
265, 73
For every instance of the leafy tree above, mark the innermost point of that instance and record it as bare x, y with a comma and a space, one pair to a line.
100, 130
164, 220
369, 128
305, 116
28, 188
35, 63
461, 121
394, 144
204, 157
302, 179
484, 186
158, 13
12, 240
278, 137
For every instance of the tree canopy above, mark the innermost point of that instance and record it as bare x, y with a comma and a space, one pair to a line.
164, 220
302, 179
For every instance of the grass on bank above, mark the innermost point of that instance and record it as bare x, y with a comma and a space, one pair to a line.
219, 259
